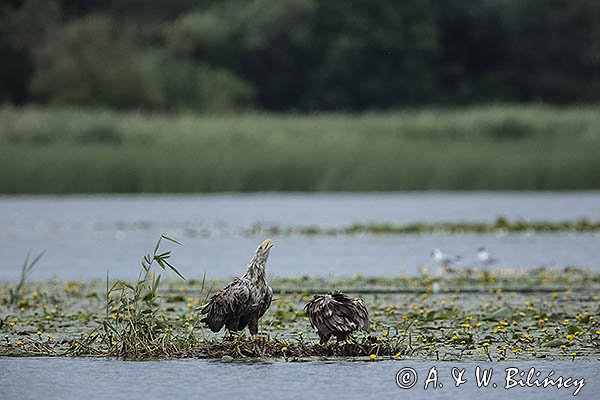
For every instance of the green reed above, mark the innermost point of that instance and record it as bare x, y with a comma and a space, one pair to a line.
493, 147
134, 325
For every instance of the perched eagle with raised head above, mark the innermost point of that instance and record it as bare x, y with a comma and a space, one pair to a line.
244, 300
335, 314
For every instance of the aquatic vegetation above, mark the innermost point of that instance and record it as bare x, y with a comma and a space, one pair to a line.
15, 294
501, 224
133, 326
490, 147
493, 316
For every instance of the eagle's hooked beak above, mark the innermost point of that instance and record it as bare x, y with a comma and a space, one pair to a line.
267, 244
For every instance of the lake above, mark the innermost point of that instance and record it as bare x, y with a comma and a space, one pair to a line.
68, 378
84, 236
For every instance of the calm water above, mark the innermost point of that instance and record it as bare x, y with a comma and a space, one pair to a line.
64, 378
85, 235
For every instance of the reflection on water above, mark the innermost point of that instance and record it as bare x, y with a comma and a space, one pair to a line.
66, 378
86, 235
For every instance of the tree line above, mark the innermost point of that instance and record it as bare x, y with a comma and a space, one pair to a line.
297, 55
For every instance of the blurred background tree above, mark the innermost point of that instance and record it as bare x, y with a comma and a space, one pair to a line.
298, 55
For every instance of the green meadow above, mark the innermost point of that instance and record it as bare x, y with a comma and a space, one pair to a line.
479, 148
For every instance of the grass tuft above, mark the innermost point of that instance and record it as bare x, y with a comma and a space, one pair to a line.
16, 293
134, 326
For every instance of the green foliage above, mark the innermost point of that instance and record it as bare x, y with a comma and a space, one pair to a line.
139, 330
267, 43
374, 54
98, 61
298, 54
66, 151
91, 62
198, 87
15, 294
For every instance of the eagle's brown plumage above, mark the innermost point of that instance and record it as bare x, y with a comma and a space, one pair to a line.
335, 314
244, 300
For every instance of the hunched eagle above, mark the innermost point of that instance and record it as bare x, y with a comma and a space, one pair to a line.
244, 300
335, 314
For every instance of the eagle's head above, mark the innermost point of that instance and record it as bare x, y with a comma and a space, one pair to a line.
262, 252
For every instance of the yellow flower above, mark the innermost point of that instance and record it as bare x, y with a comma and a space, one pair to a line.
373, 356
485, 344
39, 333
466, 325
522, 314
385, 333
300, 333
284, 348
19, 343
50, 336
566, 322
570, 337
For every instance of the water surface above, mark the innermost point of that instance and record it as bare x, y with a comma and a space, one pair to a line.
65, 378
86, 235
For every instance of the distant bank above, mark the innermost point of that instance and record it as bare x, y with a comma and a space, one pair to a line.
484, 148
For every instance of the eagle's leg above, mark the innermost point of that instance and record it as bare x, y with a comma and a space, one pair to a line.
323, 339
231, 336
253, 328
343, 338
